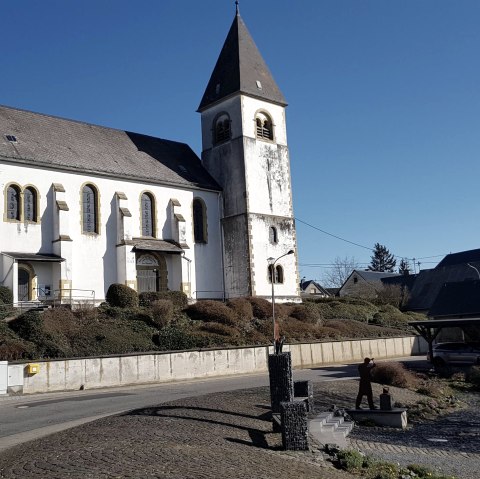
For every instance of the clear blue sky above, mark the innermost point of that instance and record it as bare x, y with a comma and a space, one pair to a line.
384, 101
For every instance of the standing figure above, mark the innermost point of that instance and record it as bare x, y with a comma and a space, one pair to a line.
365, 388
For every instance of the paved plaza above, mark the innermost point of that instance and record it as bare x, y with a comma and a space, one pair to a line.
229, 435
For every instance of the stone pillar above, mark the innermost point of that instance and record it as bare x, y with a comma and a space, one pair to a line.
304, 389
281, 381
294, 426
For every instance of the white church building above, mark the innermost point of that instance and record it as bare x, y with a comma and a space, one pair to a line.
85, 206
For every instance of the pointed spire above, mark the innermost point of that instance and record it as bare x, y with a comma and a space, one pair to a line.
240, 68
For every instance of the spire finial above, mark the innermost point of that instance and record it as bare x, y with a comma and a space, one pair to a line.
236, 7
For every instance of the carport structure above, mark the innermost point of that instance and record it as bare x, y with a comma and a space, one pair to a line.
429, 329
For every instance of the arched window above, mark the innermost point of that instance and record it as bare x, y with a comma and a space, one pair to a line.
199, 221
13, 203
264, 126
30, 204
278, 274
148, 214
273, 236
222, 131
89, 209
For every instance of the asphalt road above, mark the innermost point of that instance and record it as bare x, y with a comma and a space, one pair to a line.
23, 418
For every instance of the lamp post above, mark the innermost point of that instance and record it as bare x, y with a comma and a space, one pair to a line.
272, 262
473, 267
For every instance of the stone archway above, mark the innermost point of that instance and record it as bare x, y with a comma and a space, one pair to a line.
152, 273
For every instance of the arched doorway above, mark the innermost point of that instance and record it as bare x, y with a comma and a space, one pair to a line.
23, 285
152, 273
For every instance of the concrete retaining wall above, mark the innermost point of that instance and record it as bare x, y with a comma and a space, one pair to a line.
73, 374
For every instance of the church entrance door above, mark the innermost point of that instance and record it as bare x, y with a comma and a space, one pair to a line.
23, 285
147, 280
151, 273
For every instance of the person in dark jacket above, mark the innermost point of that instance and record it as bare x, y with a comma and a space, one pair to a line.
365, 387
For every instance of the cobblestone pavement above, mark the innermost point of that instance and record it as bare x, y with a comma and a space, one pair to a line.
229, 435
224, 435
449, 445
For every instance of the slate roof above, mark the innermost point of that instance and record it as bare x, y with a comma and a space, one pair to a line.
371, 276
305, 284
429, 282
457, 299
401, 280
470, 256
238, 68
164, 246
52, 142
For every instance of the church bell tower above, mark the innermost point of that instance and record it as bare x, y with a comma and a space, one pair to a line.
245, 149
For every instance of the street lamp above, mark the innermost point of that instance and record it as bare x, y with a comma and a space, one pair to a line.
473, 267
272, 262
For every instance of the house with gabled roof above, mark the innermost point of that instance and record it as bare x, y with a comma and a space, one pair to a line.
312, 289
364, 283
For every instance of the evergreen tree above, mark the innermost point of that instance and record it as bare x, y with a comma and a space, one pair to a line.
404, 267
382, 260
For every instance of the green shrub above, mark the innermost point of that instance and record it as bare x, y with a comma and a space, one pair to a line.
162, 312
350, 460
341, 309
12, 347
294, 330
221, 329
6, 295
383, 470
211, 311
28, 325
242, 308
393, 374
122, 296
171, 338
262, 309
307, 313
178, 298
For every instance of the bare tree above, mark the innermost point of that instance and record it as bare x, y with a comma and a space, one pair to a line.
340, 270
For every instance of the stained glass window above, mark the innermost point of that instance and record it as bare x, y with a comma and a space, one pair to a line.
13, 203
89, 210
29, 205
147, 215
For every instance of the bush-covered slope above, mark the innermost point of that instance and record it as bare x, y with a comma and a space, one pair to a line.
164, 322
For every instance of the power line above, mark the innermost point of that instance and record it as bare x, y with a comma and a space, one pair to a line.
334, 236
363, 246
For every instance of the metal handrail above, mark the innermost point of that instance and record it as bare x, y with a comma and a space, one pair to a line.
58, 296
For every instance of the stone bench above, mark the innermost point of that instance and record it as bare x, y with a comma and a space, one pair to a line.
396, 417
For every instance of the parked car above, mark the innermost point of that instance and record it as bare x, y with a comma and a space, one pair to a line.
455, 353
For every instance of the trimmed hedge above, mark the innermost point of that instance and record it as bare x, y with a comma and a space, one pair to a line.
212, 311
308, 313
6, 295
178, 298
122, 296
162, 312
242, 308
262, 309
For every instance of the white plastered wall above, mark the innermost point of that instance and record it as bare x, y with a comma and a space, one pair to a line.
94, 256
